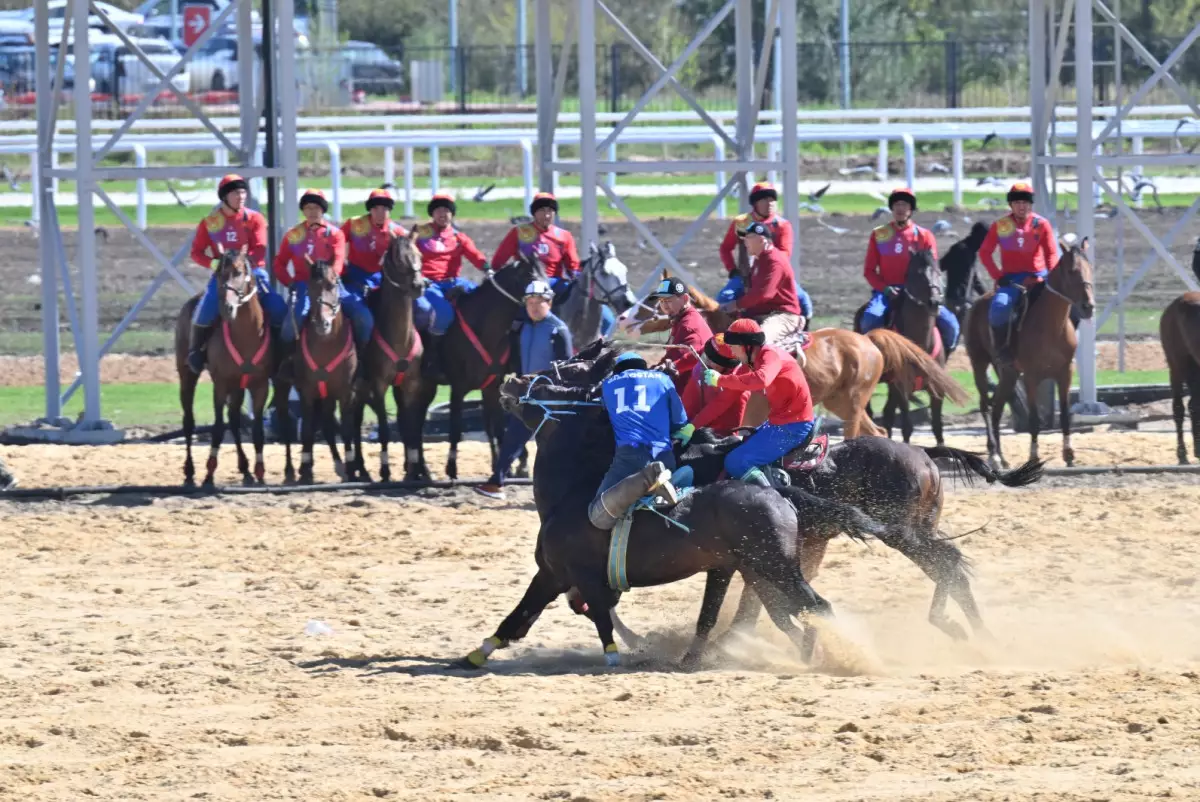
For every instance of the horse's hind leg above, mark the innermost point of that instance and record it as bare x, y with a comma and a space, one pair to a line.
542, 590
714, 595
1035, 420
236, 399
456, 410
258, 431
935, 417
379, 407
1004, 391
308, 433
1193, 380
781, 606
889, 410
330, 429
218, 433
187, 399
1177, 410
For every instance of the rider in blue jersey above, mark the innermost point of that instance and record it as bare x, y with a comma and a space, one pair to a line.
646, 414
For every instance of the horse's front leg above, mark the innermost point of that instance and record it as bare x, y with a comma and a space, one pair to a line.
236, 399
1064, 412
308, 432
330, 428
1031, 402
456, 411
258, 397
218, 433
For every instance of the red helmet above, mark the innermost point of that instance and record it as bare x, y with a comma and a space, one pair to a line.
542, 200
229, 183
314, 196
761, 191
442, 200
1020, 191
719, 353
904, 194
380, 197
745, 332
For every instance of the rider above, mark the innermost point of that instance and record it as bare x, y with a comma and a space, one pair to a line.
553, 246
689, 329
443, 247
763, 200
886, 267
790, 421
772, 296
719, 409
368, 237
318, 240
646, 415
535, 344
1027, 254
231, 226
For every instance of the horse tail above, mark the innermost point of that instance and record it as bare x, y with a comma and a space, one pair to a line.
828, 518
903, 360
972, 465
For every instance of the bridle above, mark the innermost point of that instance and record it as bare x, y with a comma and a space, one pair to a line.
243, 296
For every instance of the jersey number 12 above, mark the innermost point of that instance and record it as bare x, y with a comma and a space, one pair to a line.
639, 406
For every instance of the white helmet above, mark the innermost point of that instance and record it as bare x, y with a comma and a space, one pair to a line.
539, 288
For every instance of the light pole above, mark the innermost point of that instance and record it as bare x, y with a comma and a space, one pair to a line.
454, 77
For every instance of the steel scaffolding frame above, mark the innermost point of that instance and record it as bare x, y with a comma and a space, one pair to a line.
1089, 157
88, 174
750, 83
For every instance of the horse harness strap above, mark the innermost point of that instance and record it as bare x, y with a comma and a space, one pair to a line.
618, 540
322, 372
402, 365
473, 338
248, 369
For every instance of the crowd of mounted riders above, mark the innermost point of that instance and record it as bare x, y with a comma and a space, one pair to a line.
711, 374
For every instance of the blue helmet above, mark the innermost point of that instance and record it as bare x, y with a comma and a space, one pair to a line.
629, 360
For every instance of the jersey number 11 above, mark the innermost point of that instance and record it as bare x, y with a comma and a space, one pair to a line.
639, 406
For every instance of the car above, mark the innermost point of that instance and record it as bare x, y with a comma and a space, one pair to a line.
215, 67
119, 17
117, 71
372, 70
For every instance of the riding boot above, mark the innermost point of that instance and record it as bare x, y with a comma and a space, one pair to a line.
1004, 356
609, 506
755, 476
198, 347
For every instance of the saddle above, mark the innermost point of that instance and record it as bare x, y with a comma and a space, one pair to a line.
796, 344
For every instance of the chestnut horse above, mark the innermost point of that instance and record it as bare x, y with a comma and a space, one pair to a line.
394, 354
1179, 331
239, 359
1044, 347
842, 367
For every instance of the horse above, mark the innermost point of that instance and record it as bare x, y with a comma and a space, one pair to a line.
1179, 332
393, 356
240, 359
1045, 345
324, 374
474, 354
724, 528
603, 281
914, 316
842, 367
963, 285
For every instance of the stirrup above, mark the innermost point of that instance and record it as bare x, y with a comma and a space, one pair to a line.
663, 488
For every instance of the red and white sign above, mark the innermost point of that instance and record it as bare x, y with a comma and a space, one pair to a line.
195, 22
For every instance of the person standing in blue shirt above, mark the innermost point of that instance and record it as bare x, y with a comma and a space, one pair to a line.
535, 345
646, 415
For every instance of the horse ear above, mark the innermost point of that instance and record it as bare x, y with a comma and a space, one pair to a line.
1083, 246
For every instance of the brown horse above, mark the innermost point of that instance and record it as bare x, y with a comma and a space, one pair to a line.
394, 354
240, 359
324, 372
915, 318
1045, 346
842, 367
1179, 331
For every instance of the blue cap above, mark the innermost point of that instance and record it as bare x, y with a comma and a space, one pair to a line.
627, 356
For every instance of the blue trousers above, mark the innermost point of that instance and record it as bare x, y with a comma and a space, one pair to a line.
360, 281
516, 434
353, 306
947, 323
766, 445
432, 312
208, 310
735, 288
628, 460
1004, 303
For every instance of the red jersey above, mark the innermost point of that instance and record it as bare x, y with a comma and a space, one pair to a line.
688, 328
719, 409
319, 242
231, 230
781, 378
888, 253
369, 242
781, 237
1025, 248
772, 286
442, 251
554, 247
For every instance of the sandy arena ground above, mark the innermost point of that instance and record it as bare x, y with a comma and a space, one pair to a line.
156, 650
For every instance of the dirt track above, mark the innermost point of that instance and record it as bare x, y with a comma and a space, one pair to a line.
831, 264
155, 649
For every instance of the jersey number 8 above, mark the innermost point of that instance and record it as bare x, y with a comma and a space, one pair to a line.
639, 406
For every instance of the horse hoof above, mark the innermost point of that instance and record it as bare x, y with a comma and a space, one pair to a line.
465, 664
289, 475
521, 473
189, 481
690, 662
209, 484
248, 481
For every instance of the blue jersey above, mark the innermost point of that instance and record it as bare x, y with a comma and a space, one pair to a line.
644, 409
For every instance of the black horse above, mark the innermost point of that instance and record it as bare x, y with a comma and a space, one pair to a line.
731, 527
473, 356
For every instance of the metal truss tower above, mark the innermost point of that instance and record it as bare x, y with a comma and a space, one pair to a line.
89, 172
582, 20
1099, 146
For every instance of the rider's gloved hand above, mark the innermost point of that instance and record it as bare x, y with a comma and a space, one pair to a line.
892, 293
684, 434
711, 377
